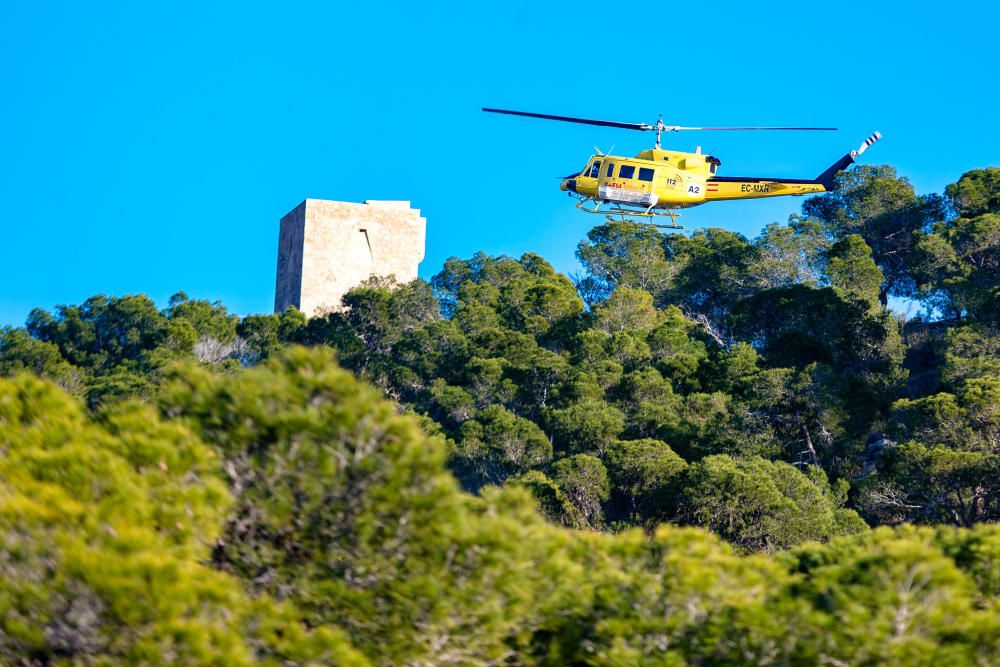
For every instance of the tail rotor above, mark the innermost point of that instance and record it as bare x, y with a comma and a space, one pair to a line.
826, 179
866, 143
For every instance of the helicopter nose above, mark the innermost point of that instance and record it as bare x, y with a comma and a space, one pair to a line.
568, 185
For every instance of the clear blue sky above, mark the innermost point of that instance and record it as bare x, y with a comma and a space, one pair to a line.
152, 147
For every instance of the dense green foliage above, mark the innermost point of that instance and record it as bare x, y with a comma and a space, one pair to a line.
105, 527
186, 486
317, 514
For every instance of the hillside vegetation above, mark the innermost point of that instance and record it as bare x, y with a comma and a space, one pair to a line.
703, 450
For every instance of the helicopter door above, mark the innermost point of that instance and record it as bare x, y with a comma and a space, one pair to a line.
634, 185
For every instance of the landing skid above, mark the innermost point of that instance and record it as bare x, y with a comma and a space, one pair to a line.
616, 212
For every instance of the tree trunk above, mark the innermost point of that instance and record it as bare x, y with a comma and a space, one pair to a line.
809, 445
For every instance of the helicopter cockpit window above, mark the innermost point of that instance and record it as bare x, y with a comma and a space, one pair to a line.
645, 174
611, 170
595, 169
626, 171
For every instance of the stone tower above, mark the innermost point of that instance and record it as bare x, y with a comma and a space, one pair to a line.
327, 247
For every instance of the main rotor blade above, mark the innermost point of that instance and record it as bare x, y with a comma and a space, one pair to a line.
570, 119
674, 128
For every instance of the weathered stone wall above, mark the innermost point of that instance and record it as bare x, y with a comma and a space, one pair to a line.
327, 247
288, 287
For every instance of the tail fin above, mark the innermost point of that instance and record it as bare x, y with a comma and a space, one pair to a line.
826, 178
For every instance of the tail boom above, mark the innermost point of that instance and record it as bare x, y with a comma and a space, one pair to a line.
745, 187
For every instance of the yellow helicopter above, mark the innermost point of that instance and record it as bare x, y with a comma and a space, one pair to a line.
656, 182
